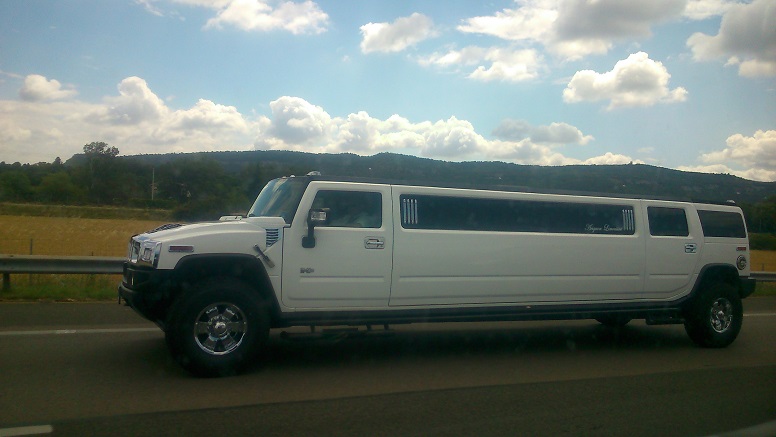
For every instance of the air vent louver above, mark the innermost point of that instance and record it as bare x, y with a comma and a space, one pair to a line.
272, 236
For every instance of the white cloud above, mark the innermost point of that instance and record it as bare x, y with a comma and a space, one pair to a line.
574, 29
298, 125
150, 7
751, 174
583, 20
746, 37
360, 133
135, 103
703, 9
262, 15
755, 154
136, 121
499, 64
758, 153
610, 158
397, 36
554, 134
635, 81
508, 65
206, 115
531, 20
37, 87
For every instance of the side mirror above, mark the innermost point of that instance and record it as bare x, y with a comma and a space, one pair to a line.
315, 217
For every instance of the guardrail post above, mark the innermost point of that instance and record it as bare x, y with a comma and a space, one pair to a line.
6, 281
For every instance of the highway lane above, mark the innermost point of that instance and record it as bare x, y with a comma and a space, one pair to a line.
99, 369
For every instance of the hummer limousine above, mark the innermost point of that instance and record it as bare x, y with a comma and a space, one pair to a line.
319, 251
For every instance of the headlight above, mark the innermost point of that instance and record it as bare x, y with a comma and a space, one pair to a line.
133, 250
145, 252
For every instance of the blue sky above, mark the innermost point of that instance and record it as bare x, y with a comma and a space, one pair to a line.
685, 84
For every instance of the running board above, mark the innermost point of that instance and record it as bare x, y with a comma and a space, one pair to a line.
665, 319
336, 333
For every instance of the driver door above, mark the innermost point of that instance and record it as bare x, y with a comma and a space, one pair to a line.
350, 264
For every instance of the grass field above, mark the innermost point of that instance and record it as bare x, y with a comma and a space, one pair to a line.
101, 212
74, 236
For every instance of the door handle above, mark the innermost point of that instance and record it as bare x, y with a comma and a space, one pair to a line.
690, 248
374, 243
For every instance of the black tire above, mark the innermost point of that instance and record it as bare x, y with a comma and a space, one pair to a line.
714, 318
613, 321
218, 329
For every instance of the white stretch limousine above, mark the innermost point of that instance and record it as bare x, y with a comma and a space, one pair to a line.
321, 251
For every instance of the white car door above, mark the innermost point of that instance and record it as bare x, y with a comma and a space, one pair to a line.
350, 263
674, 246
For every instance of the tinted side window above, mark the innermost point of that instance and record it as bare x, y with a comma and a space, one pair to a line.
472, 214
668, 222
722, 224
351, 209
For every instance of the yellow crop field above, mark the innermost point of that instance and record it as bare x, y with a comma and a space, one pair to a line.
763, 261
68, 236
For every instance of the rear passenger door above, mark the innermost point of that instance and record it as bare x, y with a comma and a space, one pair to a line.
673, 249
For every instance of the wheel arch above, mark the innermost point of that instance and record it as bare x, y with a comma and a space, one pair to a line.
194, 269
712, 273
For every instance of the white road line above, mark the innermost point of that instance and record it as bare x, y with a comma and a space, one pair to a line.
26, 430
760, 315
76, 332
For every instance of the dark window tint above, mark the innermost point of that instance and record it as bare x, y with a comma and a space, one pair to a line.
722, 224
472, 214
668, 222
351, 209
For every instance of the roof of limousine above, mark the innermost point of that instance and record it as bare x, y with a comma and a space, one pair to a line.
316, 176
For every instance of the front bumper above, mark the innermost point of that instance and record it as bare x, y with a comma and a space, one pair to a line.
147, 291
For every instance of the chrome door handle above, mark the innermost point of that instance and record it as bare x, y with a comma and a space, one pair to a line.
374, 243
690, 248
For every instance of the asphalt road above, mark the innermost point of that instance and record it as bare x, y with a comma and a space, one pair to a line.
98, 369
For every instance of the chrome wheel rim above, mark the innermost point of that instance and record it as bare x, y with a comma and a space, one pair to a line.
220, 328
721, 315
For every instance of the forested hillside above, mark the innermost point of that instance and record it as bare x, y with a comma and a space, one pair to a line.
207, 185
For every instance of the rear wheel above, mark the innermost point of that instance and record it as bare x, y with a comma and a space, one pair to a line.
218, 329
714, 319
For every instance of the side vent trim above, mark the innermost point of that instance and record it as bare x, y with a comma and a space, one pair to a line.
273, 235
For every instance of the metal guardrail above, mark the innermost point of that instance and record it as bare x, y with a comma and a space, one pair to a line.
763, 276
104, 265
85, 265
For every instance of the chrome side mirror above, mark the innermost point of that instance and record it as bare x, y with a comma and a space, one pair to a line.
315, 217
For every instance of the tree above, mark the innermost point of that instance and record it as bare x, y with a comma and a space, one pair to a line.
58, 188
202, 189
101, 181
15, 186
100, 149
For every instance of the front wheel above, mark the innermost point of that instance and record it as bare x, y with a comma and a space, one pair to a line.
715, 318
218, 329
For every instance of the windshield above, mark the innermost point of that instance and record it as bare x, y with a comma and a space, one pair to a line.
279, 198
